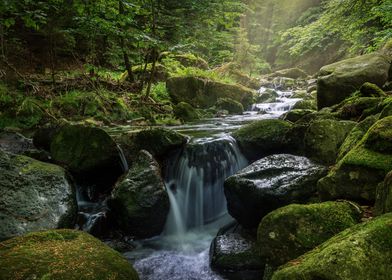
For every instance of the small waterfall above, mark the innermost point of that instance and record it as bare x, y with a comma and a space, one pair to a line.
124, 163
194, 181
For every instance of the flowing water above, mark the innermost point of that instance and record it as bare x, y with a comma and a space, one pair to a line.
194, 180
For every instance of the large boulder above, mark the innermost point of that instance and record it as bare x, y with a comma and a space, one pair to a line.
361, 252
234, 254
158, 141
62, 254
262, 138
84, 149
230, 105
204, 93
357, 175
34, 196
268, 184
139, 200
291, 231
339, 80
323, 139
185, 112
384, 196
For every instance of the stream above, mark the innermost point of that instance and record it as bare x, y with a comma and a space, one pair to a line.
194, 180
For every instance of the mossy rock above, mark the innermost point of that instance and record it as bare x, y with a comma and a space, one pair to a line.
358, 174
185, 112
232, 106
339, 80
34, 196
384, 196
62, 254
139, 200
190, 60
293, 73
371, 90
379, 137
358, 108
361, 252
324, 137
306, 105
84, 149
296, 114
204, 93
262, 138
293, 230
386, 108
355, 135
268, 96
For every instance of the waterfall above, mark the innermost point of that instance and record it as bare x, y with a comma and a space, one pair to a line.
194, 181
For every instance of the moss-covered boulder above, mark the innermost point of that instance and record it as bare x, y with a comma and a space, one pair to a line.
324, 137
158, 141
371, 90
234, 254
189, 60
34, 196
139, 200
296, 114
293, 73
361, 252
204, 93
358, 108
62, 254
268, 184
306, 105
338, 80
384, 196
262, 138
84, 149
355, 135
185, 112
232, 106
357, 175
267, 96
291, 231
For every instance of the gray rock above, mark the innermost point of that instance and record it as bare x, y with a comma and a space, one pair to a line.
15, 143
34, 196
139, 200
270, 183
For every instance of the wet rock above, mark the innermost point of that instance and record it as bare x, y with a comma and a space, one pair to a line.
290, 231
323, 139
62, 254
361, 252
139, 200
262, 138
34, 196
268, 96
357, 175
268, 184
203, 93
14, 142
234, 254
384, 196
339, 80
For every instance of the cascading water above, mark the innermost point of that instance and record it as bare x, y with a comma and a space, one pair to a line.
195, 183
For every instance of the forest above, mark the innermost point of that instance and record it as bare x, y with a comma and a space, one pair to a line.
195, 139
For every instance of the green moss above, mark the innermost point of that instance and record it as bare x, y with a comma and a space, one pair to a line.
357, 107
262, 138
306, 105
61, 254
371, 90
361, 252
232, 106
288, 232
185, 112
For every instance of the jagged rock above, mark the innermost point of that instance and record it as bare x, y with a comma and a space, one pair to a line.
139, 200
